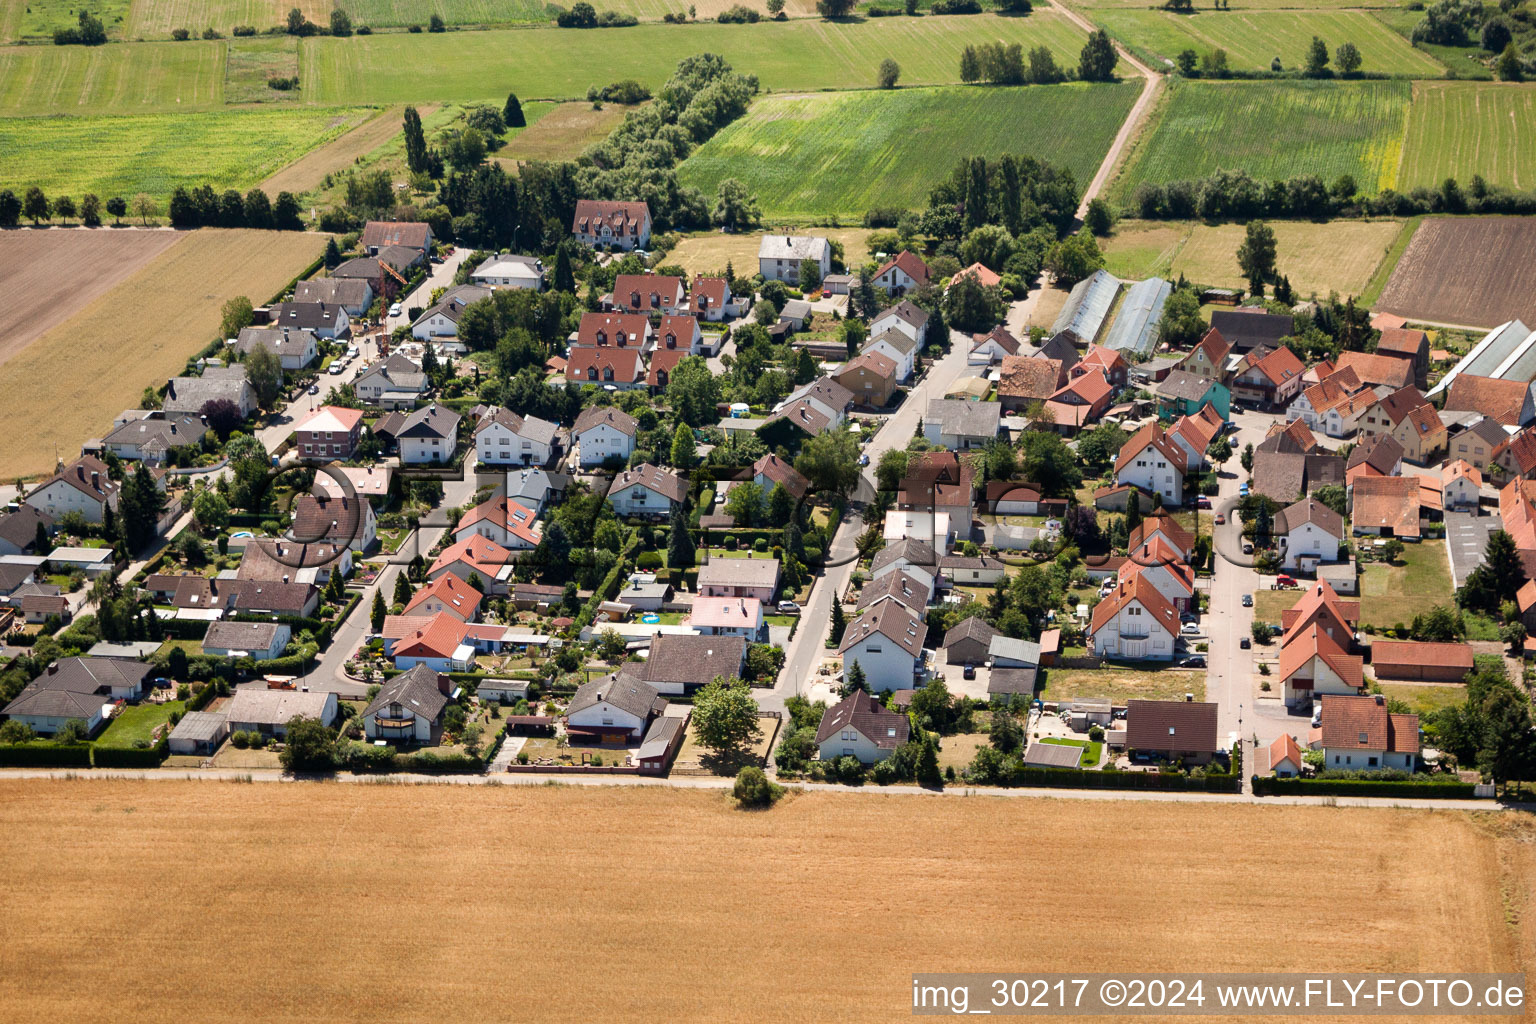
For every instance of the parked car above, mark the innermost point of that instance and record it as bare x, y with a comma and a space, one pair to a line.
394, 310
314, 389
788, 608
1191, 629
1245, 642
970, 672
1247, 547
336, 368
1188, 617
1284, 582
1198, 661
1221, 518
1247, 600
1202, 502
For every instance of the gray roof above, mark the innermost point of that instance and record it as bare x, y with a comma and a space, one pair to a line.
596, 415
965, 419
913, 552
281, 341
1052, 755
417, 690
795, 309
274, 707
1014, 650
241, 636
77, 687
971, 628
1088, 305
160, 431
190, 394
907, 310
1495, 355
1182, 384
1249, 328
1136, 326
885, 729
433, 421
131, 649
739, 572
894, 338
622, 690
309, 316
200, 726
792, 247
455, 300
659, 737
20, 527
339, 291
1012, 680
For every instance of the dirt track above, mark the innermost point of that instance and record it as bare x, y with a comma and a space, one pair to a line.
53, 273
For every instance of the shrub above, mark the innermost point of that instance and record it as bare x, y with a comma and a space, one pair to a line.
243, 30
1096, 733
738, 15
753, 789
760, 545
240, 739
649, 560
181, 35
283, 84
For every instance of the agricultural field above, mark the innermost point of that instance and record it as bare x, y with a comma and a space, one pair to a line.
1338, 256
323, 174
325, 949
35, 20
553, 63
1457, 270
709, 252
385, 13
68, 384
341, 153
155, 19
842, 153
560, 131
144, 78
1458, 129
154, 153
1253, 39
251, 62
51, 275
1272, 129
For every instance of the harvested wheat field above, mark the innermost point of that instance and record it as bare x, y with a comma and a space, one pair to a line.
52, 274
1475, 271
368, 903
67, 384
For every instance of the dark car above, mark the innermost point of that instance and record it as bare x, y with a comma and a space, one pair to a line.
1198, 661
970, 672
1245, 643
1247, 600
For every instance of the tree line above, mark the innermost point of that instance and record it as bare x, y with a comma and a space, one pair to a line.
1237, 195
1000, 64
189, 208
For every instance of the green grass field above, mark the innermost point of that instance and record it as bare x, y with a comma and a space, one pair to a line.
1253, 39
156, 152
137, 722
551, 63
1467, 61
1394, 594
1458, 129
252, 61
154, 19
843, 153
143, 78
1273, 130
36, 19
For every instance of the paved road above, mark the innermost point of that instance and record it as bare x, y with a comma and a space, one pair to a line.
441, 276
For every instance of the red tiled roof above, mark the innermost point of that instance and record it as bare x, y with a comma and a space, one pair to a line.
1385, 369
1410, 652
664, 360
635, 291
1285, 748
713, 289
1403, 342
439, 638
1153, 435
611, 365
1361, 723
1154, 524
1500, 399
1137, 589
913, 267
1028, 377
1278, 366
983, 276
1311, 643
598, 329
621, 217
511, 516
451, 591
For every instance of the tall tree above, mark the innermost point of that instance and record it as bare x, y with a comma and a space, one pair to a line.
238, 314
402, 590
681, 551
685, 452
415, 142
1256, 256
1317, 59
1097, 61
377, 613
565, 281
265, 373
512, 113
725, 715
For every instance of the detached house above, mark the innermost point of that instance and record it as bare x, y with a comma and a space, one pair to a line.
379, 235
259, 641
83, 486
649, 293
728, 616
1172, 730
900, 275
987, 349
508, 523
428, 435
1194, 434
78, 688
1270, 379
440, 644
442, 320
609, 224
1334, 405
1154, 463
342, 519
603, 433
1184, 394
395, 382
1359, 734
503, 438
960, 425
409, 708
353, 294
1308, 533
770, 471
860, 727
712, 299
614, 709
886, 641
1162, 566
294, 349
1134, 623
188, 395
446, 595
330, 432
647, 490
476, 556
509, 270
756, 578
322, 319
779, 257
1080, 402
905, 317
871, 376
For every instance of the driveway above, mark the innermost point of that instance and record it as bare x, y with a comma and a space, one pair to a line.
1466, 537
440, 276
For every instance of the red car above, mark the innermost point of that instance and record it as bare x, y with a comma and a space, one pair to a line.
1202, 502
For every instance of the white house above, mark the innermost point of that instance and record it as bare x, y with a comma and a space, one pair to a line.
915, 556
616, 708
439, 644
905, 317
269, 711
1164, 568
959, 425
646, 490
603, 433
753, 578
259, 641
322, 319
650, 293
393, 381
442, 320
1309, 532
1155, 463
1359, 734
823, 394
428, 435
1312, 664
712, 299
991, 348
887, 642
860, 727
896, 346
901, 274
77, 688
728, 616
779, 257
508, 523
447, 594
1134, 623
679, 333
294, 349
83, 486
508, 270
1460, 485
409, 707
503, 438
602, 223
1333, 406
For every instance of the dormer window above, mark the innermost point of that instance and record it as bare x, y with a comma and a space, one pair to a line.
608, 373
602, 337
622, 338
671, 340
591, 373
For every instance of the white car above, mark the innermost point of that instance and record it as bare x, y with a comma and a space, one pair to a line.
394, 310
1191, 629
336, 369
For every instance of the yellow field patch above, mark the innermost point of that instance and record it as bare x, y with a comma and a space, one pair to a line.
373, 902
68, 384
708, 252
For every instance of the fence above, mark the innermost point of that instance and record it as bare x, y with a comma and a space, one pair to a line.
1270, 786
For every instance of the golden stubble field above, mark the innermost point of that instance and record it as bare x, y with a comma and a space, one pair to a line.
178, 901
68, 384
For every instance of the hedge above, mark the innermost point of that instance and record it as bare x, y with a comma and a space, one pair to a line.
302, 275
1068, 778
45, 755
608, 587
202, 698
429, 762
133, 757
1271, 786
183, 629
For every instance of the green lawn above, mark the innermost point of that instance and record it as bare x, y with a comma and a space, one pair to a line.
253, 60
1253, 39
142, 78
1091, 750
843, 153
1273, 130
154, 153
1425, 700
36, 19
553, 63
1458, 129
1392, 594
137, 722
1268, 605
1119, 684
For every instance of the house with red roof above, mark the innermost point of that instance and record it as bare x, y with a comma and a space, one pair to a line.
658, 372
1313, 663
438, 644
728, 616
1271, 379
1153, 462
1208, 359
446, 594
1194, 434
613, 330
1134, 623
987, 349
620, 368
1108, 361
712, 299
504, 521
478, 555
649, 293
1360, 734
679, 334
1081, 401
979, 273
901, 274
1320, 606
1160, 526
1164, 568
610, 224
330, 432
1285, 759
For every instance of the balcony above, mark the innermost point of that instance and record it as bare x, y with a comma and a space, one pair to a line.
386, 722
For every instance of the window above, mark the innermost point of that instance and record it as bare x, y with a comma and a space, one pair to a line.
874, 650
607, 721
1371, 762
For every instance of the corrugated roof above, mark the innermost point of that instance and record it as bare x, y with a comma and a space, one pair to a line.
1136, 326
1088, 306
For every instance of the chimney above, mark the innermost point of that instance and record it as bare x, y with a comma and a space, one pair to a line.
53, 668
